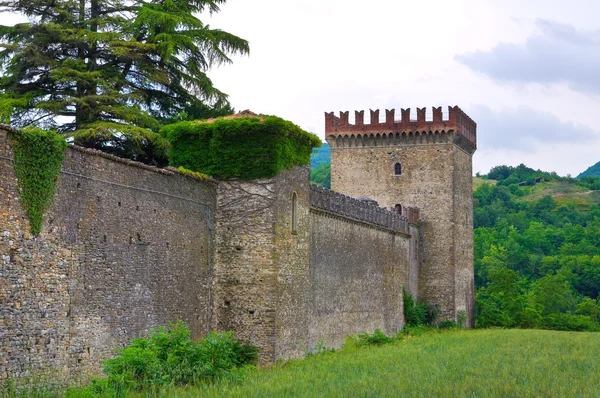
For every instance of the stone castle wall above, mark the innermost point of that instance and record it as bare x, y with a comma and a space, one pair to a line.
356, 290
124, 248
463, 235
340, 272
436, 177
256, 255
426, 170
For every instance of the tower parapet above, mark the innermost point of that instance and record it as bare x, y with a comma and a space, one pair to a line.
458, 124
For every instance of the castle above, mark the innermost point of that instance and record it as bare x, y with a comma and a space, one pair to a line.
288, 265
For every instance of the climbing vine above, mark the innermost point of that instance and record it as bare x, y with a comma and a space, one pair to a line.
38, 157
192, 174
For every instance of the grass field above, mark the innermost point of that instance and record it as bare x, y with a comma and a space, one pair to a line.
477, 182
562, 192
462, 363
450, 363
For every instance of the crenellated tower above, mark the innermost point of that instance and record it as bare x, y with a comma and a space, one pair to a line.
423, 162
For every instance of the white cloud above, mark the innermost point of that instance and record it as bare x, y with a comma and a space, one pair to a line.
557, 54
308, 58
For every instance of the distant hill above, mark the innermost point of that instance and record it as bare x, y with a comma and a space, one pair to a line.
320, 155
563, 192
593, 171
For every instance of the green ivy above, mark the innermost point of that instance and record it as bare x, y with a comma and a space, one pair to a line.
192, 174
38, 158
245, 147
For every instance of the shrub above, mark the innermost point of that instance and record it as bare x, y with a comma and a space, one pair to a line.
419, 313
558, 321
366, 339
170, 357
447, 324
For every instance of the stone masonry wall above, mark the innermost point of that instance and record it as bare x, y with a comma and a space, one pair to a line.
463, 235
340, 272
245, 269
426, 182
357, 290
124, 248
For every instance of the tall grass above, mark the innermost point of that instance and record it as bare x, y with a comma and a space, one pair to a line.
456, 363
450, 363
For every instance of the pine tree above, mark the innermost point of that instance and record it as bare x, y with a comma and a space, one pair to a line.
106, 73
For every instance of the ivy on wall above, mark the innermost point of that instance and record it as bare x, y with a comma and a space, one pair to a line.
38, 157
243, 147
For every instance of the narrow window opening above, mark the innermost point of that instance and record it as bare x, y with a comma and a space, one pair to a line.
294, 213
397, 169
398, 209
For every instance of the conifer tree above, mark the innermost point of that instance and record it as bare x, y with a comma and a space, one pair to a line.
106, 73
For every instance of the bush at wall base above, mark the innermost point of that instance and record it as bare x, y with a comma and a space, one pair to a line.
169, 357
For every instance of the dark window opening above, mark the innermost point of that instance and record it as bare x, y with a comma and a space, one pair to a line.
398, 209
294, 213
397, 169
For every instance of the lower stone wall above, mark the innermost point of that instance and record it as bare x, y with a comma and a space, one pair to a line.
338, 270
124, 248
342, 272
359, 289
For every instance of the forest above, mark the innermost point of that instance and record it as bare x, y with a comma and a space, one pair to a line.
537, 255
537, 262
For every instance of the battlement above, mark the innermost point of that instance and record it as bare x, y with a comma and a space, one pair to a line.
458, 122
411, 213
360, 210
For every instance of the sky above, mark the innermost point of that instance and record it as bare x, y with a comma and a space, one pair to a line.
527, 71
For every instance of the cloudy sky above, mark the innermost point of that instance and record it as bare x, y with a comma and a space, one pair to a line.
527, 71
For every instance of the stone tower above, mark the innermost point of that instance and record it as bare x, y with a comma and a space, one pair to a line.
423, 163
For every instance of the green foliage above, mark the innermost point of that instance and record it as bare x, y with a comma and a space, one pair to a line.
319, 349
366, 339
456, 363
170, 357
536, 261
447, 324
244, 147
320, 166
419, 313
521, 174
321, 175
193, 174
592, 171
32, 386
38, 158
320, 155
108, 73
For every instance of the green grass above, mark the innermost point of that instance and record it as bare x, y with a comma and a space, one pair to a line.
563, 193
451, 363
463, 363
477, 182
